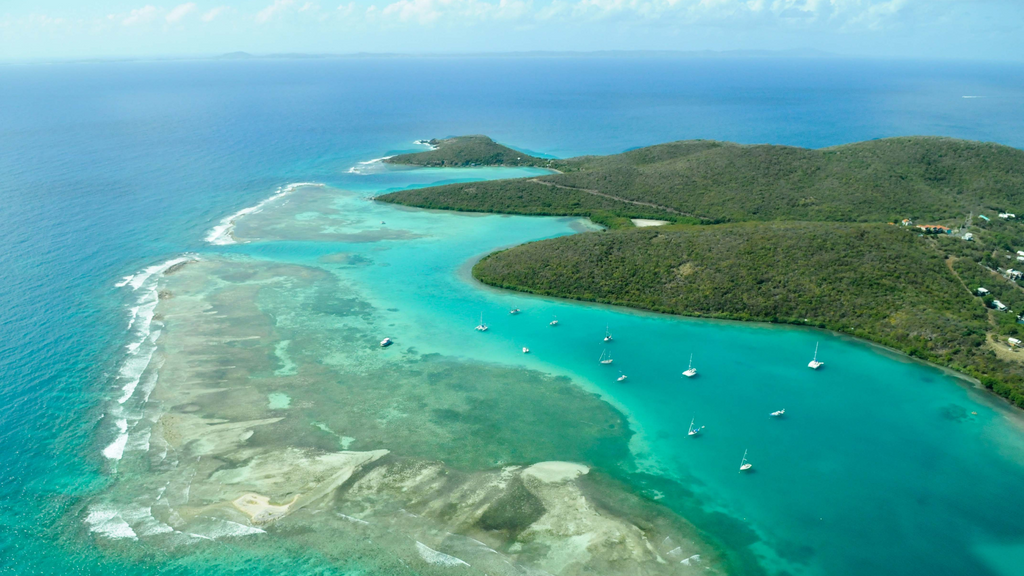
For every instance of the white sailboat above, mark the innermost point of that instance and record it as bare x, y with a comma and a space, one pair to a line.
482, 327
778, 413
514, 311
744, 465
553, 322
605, 358
691, 371
694, 430
814, 364
386, 342
607, 334
526, 350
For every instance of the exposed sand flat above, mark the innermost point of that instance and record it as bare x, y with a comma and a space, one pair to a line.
644, 223
555, 472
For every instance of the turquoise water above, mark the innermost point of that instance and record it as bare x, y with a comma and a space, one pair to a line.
880, 465
875, 451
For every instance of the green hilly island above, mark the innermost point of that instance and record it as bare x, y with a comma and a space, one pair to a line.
777, 234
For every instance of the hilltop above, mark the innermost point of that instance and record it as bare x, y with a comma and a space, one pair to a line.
707, 181
464, 151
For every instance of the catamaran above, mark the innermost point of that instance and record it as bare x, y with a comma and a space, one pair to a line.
691, 371
605, 358
744, 465
622, 377
778, 413
694, 430
553, 322
607, 335
814, 364
386, 342
482, 327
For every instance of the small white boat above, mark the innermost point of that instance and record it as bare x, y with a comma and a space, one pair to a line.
553, 322
814, 364
622, 378
386, 342
481, 327
694, 430
607, 335
605, 358
744, 465
778, 413
526, 350
514, 311
691, 371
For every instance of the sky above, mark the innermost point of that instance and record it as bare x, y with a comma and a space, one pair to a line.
943, 29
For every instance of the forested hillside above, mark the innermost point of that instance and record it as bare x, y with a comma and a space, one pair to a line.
783, 234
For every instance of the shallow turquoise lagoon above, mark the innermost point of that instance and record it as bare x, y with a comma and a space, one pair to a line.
881, 465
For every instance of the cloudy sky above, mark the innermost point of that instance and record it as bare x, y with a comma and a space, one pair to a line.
57, 29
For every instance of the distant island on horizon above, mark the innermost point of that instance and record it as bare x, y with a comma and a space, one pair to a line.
907, 242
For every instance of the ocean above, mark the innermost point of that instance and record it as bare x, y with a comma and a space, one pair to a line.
109, 169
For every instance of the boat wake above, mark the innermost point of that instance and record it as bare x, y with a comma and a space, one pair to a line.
221, 234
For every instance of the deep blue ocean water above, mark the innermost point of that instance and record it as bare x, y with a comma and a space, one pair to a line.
108, 168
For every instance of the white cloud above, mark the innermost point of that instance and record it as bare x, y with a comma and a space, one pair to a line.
274, 10
214, 13
179, 12
140, 16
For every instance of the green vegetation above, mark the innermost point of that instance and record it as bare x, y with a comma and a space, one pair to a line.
928, 179
782, 234
462, 151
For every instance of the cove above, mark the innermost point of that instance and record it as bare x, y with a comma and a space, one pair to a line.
881, 465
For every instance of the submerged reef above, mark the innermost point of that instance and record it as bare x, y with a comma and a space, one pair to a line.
274, 421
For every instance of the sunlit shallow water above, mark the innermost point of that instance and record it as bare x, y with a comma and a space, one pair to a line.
876, 452
109, 169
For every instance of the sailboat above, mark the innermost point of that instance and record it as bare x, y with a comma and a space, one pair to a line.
553, 322
605, 358
482, 327
814, 364
691, 371
622, 377
526, 350
744, 465
694, 430
607, 334
514, 311
386, 342
778, 413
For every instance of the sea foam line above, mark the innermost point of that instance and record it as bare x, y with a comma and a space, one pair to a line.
141, 344
369, 167
221, 234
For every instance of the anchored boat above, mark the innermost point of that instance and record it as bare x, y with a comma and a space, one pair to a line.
691, 371
814, 364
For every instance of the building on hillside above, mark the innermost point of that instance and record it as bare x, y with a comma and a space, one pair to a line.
983, 217
1020, 252
968, 236
1006, 215
1014, 274
1014, 342
999, 305
982, 291
934, 229
906, 222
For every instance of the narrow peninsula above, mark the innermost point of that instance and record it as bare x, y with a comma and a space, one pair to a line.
908, 242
